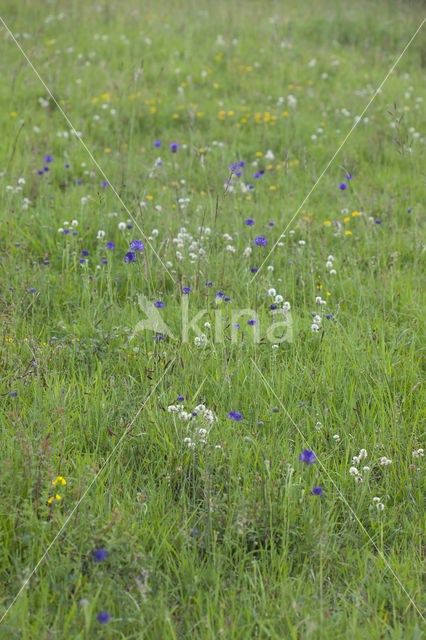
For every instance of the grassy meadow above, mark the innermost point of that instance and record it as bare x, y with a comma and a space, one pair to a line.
211, 401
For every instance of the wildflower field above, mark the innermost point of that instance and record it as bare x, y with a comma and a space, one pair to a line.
211, 258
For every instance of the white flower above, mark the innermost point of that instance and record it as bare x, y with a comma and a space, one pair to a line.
315, 328
121, 226
269, 155
101, 234
332, 272
362, 454
270, 268
317, 319
247, 251
291, 100
353, 471
278, 299
380, 506
302, 243
329, 264
358, 479
286, 306
230, 248
385, 461
272, 292
376, 499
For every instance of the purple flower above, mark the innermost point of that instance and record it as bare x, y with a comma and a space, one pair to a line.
104, 261
104, 616
32, 290
261, 241
110, 245
251, 322
129, 226
46, 261
271, 224
208, 283
67, 166
82, 260
130, 256
174, 147
254, 269
13, 394
219, 294
227, 299
307, 456
104, 184
180, 398
249, 222
328, 316
186, 290
40, 173
273, 307
137, 245
48, 159
46, 169
348, 176
157, 143
236, 326
99, 555
262, 171
238, 173
66, 232
242, 164
159, 304
409, 210
317, 491
343, 186
234, 415
233, 166
84, 252
80, 181
256, 175
378, 221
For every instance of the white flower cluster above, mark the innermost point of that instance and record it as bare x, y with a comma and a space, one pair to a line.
354, 471
379, 505
330, 265
198, 423
185, 241
316, 318
384, 461
74, 223
278, 299
418, 453
200, 341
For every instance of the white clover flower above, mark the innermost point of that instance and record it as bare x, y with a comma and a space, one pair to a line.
362, 454
385, 461
270, 268
121, 226
331, 257
302, 243
230, 248
278, 299
366, 468
101, 234
376, 499
329, 264
315, 328
355, 460
380, 506
332, 272
318, 299
358, 479
317, 319
275, 346
154, 233
247, 251
286, 306
336, 437
353, 471
207, 325
272, 292
172, 408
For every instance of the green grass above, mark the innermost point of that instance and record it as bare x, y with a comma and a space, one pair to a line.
222, 540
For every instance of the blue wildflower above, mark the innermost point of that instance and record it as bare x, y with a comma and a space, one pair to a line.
317, 491
157, 143
130, 256
249, 222
234, 415
174, 147
48, 159
159, 304
186, 290
307, 456
343, 186
254, 269
137, 245
251, 322
110, 245
104, 616
180, 398
261, 241
84, 252
99, 555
